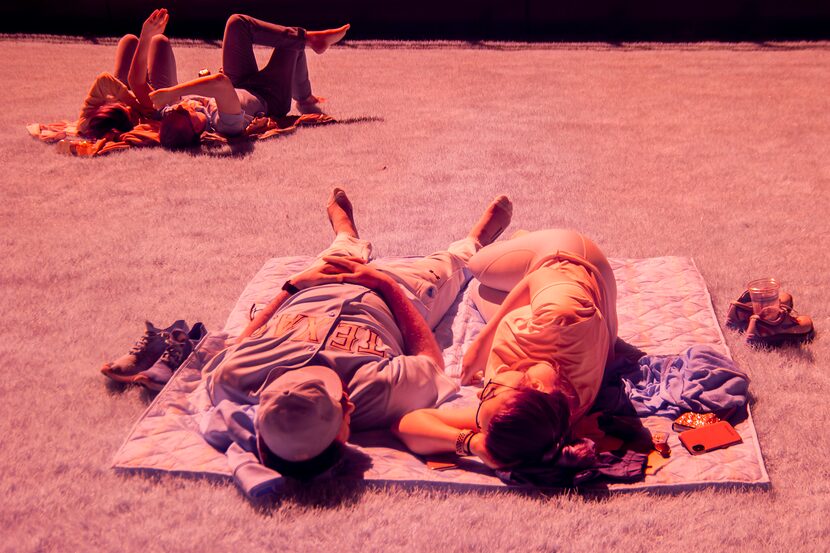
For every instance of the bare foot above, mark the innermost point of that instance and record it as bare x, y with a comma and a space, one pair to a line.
163, 97
319, 41
493, 221
310, 104
341, 213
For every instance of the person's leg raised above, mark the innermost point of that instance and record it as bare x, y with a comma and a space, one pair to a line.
347, 241
124, 56
433, 282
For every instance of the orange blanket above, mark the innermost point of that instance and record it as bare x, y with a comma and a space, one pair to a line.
65, 134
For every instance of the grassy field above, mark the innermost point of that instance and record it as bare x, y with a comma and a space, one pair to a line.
717, 152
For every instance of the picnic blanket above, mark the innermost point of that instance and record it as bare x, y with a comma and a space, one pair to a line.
65, 134
664, 309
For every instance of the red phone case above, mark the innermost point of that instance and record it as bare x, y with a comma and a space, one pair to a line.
709, 437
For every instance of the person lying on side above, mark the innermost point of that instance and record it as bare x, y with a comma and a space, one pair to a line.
549, 298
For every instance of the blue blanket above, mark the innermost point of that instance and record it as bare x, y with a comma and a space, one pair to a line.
699, 379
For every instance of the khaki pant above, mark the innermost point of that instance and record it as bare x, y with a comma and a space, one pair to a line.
432, 283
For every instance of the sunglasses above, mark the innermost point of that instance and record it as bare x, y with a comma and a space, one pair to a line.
489, 392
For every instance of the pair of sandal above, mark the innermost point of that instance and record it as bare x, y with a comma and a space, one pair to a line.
156, 355
786, 327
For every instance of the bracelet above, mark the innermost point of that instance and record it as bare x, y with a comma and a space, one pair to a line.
461, 442
290, 288
469, 442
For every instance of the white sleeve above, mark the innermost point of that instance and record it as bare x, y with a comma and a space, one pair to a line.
225, 123
385, 390
230, 124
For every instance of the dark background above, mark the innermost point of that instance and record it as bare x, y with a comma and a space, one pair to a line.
605, 20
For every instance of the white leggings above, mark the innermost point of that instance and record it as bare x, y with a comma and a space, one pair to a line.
498, 267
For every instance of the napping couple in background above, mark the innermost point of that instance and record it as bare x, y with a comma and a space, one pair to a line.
347, 345
145, 83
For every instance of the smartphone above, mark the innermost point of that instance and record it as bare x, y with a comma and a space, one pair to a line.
709, 437
441, 465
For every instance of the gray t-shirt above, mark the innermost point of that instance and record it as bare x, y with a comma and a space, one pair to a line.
347, 328
252, 106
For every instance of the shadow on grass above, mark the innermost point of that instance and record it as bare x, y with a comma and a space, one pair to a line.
323, 494
235, 149
240, 148
115, 388
790, 351
361, 119
120, 388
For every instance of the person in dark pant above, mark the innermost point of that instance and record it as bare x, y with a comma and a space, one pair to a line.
228, 101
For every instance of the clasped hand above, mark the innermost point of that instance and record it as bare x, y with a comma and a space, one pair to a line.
471, 363
337, 270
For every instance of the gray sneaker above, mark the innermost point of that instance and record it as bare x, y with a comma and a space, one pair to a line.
146, 351
178, 346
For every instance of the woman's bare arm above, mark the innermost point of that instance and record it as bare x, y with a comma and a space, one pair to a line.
217, 86
435, 431
137, 77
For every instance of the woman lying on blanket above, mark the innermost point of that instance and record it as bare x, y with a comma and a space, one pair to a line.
228, 101
114, 107
550, 301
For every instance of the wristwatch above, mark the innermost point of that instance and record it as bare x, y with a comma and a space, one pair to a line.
290, 288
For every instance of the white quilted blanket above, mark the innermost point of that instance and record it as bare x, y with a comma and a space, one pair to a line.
663, 305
